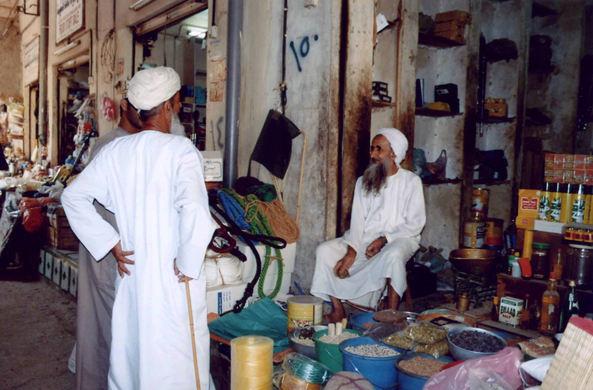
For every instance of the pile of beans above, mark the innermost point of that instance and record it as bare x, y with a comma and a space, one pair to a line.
372, 350
477, 341
307, 342
422, 366
337, 339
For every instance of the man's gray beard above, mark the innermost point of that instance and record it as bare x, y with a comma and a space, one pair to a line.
176, 126
375, 177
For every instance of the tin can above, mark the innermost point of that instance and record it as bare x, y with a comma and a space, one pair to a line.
480, 199
493, 231
463, 302
474, 234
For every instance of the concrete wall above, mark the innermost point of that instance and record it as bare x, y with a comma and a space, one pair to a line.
556, 92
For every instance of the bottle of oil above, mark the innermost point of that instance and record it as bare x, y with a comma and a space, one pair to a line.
495, 308
525, 314
550, 308
535, 314
558, 265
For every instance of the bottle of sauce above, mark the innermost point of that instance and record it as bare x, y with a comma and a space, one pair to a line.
570, 306
544, 202
562, 204
525, 314
495, 308
558, 265
577, 204
550, 308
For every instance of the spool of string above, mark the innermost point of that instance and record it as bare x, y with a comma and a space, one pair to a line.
290, 382
251, 363
305, 369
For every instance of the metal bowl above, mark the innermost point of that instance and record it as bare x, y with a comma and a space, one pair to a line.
459, 353
306, 350
474, 261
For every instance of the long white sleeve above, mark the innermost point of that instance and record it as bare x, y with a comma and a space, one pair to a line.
196, 225
97, 235
414, 214
354, 236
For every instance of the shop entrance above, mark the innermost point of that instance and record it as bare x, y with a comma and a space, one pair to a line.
182, 46
73, 90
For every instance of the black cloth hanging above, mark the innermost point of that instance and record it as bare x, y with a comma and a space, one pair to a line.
274, 145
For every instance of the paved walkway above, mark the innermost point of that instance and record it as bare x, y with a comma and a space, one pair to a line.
37, 333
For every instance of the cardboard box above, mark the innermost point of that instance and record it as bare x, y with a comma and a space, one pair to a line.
525, 223
510, 311
57, 275
73, 288
529, 203
212, 166
452, 35
61, 238
549, 161
42, 262
461, 16
559, 161
453, 25
56, 216
548, 227
49, 265
497, 107
65, 278
221, 299
579, 161
569, 161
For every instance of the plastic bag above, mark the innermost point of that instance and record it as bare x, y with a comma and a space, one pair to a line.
538, 368
435, 350
400, 341
108, 109
381, 330
487, 380
425, 334
504, 363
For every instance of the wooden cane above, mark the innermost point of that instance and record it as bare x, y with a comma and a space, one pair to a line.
193, 336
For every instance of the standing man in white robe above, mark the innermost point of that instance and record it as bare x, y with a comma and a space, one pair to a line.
96, 283
387, 218
153, 182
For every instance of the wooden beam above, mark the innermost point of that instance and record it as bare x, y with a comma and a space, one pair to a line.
357, 78
407, 47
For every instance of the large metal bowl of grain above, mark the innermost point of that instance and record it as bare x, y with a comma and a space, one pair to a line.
474, 261
472, 342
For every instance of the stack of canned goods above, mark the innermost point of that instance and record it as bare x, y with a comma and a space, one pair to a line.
481, 231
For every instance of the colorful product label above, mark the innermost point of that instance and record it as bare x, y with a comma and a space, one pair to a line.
555, 209
544, 206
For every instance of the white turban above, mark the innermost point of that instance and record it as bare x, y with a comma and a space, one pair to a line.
398, 142
151, 87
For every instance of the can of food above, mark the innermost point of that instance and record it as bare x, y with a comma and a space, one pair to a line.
493, 231
480, 198
473, 234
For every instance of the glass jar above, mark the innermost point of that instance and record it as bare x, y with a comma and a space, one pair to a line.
540, 260
579, 265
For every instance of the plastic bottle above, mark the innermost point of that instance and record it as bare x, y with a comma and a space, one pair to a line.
525, 314
550, 308
516, 269
570, 306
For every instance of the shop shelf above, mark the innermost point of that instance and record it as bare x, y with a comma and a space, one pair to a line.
380, 104
493, 119
491, 182
434, 41
434, 113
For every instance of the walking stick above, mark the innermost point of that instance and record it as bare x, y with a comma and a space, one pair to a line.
193, 336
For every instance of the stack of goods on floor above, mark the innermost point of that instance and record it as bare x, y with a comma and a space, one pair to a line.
481, 231
58, 233
231, 269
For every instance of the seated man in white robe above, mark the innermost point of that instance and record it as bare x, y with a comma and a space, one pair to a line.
153, 182
387, 218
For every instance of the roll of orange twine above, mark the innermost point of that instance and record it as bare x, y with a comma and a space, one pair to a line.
251, 363
290, 382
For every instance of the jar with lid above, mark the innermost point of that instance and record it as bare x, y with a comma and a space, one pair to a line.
540, 260
579, 265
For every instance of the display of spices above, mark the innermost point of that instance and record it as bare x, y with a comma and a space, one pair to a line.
338, 338
422, 366
372, 350
399, 341
425, 334
477, 341
435, 350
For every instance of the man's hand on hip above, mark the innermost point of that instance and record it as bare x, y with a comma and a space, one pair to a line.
375, 247
122, 260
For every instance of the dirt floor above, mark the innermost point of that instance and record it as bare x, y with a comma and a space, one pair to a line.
37, 334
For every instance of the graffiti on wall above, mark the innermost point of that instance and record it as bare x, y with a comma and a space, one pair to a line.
304, 47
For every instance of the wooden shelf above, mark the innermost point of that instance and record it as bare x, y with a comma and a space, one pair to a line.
493, 119
439, 182
434, 113
380, 104
491, 183
434, 41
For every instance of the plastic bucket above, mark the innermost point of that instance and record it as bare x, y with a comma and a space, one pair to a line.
380, 371
407, 381
330, 354
358, 320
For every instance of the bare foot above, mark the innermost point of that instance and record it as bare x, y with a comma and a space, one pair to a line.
336, 316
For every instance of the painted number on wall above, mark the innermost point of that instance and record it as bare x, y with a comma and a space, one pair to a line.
303, 50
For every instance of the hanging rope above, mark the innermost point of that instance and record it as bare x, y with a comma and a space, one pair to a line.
260, 225
280, 221
236, 213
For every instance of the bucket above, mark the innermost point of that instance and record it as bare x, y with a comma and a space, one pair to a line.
407, 381
380, 371
493, 227
358, 321
480, 199
330, 354
304, 310
473, 234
